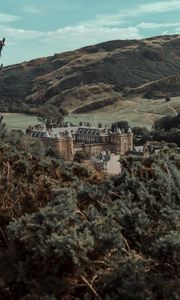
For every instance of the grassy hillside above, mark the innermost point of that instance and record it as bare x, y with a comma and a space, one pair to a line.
94, 76
138, 112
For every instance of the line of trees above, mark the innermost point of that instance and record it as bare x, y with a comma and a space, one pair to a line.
165, 129
51, 115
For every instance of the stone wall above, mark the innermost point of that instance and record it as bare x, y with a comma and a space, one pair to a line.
64, 146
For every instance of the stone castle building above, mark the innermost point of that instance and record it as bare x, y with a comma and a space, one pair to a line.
68, 140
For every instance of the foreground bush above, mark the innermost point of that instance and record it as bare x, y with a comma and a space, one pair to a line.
115, 240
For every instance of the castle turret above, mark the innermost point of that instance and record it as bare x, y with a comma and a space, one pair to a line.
130, 138
122, 141
64, 145
119, 131
116, 141
70, 147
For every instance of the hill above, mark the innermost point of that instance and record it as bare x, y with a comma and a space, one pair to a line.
96, 76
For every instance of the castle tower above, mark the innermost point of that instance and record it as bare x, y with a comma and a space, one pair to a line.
122, 142
130, 139
64, 145
117, 141
70, 146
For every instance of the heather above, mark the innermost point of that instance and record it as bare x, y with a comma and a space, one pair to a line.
68, 232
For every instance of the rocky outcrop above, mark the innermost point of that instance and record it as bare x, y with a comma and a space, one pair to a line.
148, 67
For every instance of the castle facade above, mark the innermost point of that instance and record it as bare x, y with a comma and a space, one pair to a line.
68, 140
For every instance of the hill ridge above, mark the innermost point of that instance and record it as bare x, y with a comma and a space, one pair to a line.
113, 70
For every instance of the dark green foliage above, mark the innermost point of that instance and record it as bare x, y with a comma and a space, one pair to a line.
167, 123
140, 135
167, 129
49, 114
80, 171
63, 111
118, 239
167, 98
58, 240
171, 136
167, 249
80, 156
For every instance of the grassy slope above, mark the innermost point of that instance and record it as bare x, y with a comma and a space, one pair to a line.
139, 112
94, 73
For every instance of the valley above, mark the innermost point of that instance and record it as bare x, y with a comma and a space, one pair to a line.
138, 112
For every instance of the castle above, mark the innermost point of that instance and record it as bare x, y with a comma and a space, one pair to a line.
68, 140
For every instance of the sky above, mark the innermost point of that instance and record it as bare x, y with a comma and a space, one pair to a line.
37, 28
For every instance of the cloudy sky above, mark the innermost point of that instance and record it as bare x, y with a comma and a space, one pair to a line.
36, 28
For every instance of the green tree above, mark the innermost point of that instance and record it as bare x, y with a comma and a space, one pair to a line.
167, 98
63, 111
141, 135
80, 156
49, 114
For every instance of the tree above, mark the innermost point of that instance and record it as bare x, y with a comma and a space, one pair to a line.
167, 98
167, 123
141, 135
80, 156
63, 111
163, 123
49, 114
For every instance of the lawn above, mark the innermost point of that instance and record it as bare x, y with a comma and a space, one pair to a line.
19, 121
138, 112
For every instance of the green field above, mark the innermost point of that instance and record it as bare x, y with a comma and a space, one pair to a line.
138, 112
19, 121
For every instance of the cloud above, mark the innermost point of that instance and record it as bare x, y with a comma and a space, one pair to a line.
6, 18
139, 10
145, 25
73, 34
103, 28
157, 7
84, 35
28, 44
104, 20
31, 9
16, 35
